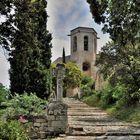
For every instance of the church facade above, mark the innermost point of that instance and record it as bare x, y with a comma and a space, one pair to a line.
83, 49
83, 52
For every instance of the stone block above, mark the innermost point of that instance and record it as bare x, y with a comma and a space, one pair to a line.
45, 129
57, 123
42, 135
33, 135
41, 128
50, 112
51, 117
37, 124
61, 118
57, 112
50, 129
45, 124
40, 120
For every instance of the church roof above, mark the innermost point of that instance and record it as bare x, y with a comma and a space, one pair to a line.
59, 59
81, 28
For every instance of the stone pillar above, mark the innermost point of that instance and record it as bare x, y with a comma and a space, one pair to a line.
59, 73
60, 76
57, 110
57, 118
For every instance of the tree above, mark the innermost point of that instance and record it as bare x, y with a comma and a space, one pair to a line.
73, 75
119, 60
120, 18
6, 27
63, 56
31, 48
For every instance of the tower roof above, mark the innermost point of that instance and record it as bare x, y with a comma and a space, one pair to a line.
80, 29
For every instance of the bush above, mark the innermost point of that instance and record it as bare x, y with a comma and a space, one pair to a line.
73, 76
4, 93
23, 105
92, 100
13, 130
87, 86
111, 95
117, 102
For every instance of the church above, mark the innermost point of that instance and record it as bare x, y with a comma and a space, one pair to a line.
84, 52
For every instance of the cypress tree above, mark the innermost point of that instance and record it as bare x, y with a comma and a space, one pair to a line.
63, 56
30, 58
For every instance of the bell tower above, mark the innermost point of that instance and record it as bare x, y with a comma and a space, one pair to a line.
83, 49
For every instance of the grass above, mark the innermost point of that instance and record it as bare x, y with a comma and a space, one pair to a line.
129, 114
91, 100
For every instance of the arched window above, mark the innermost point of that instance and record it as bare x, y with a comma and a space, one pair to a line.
95, 45
75, 44
86, 66
85, 43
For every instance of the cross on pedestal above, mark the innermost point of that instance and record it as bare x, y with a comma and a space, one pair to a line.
59, 73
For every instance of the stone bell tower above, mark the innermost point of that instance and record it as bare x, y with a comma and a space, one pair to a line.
83, 49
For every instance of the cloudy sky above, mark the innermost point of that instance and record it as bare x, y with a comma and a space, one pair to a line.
64, 15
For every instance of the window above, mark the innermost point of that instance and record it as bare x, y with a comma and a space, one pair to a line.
86, 66
85, 43
95, 44
75, 44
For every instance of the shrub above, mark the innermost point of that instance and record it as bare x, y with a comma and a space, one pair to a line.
87, 86
4, 93
92, 100
73, 75
111, 95
13, 130
23, 105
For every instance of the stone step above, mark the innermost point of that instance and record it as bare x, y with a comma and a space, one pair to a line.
93, 118
98, 123
77, 130
99, 138
86, 107
86, 114
92, 123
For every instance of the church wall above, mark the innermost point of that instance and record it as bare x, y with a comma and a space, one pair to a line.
81, 56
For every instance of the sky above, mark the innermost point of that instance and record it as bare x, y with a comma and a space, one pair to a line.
64, 15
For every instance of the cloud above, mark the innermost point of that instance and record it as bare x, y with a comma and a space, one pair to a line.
66, 15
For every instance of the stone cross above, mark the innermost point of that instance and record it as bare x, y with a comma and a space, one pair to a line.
59, 73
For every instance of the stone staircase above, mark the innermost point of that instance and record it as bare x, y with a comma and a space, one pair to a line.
92, 123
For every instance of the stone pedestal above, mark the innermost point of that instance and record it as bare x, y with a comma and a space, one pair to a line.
59, 73
57, 118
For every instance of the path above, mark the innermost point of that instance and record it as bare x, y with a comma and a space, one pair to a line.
92, 123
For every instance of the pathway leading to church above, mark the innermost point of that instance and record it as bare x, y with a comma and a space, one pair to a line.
92, 123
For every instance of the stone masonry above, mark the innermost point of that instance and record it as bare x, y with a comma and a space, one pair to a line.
51, 124
93, 123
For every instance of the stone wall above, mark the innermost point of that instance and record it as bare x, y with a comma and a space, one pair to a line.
39, 127
51, 124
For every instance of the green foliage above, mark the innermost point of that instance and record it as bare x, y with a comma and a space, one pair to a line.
119, 60
130, 114
6, 28
23, 105
120, 18
73, 75
29, 45
122, 66
13, 130
92, 100
111, 95
115, 101
4, 94
63, 56
87, 86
